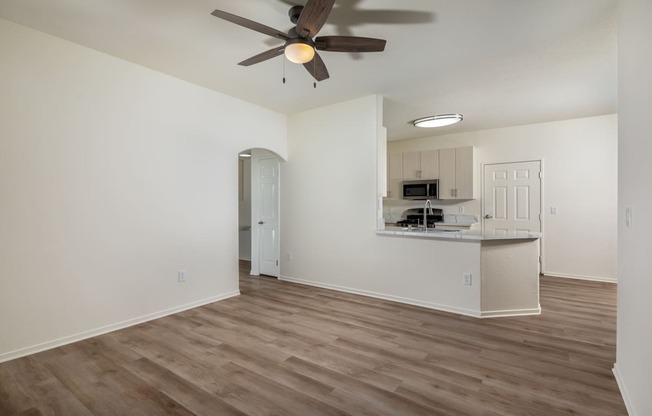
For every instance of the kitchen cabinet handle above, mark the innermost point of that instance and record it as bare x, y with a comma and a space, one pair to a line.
488, 217
261, 222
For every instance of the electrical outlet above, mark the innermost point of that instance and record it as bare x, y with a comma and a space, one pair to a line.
467, 279
182, 276
288, 256
461, 209
553, 210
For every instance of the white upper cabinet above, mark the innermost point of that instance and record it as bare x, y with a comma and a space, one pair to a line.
453, 167
456, 173
430, 164
421, 165
394, 175
464, 173
411, 166
447, 173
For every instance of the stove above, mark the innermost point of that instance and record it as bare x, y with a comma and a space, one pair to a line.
414, 216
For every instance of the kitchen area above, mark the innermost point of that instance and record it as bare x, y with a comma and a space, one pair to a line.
443, 176
424, 190
428, 269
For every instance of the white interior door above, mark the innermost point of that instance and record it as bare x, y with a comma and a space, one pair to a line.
267, 221
512, 197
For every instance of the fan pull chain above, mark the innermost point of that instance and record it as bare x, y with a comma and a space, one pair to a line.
284, 70
314, 72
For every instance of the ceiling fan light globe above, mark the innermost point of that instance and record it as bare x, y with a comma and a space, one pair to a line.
299, 53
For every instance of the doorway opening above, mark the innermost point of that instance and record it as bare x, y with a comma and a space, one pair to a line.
258, 212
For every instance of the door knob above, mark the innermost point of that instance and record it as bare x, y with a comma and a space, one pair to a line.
488, 217
261, 222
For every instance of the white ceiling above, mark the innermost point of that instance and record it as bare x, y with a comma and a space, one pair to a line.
498, 62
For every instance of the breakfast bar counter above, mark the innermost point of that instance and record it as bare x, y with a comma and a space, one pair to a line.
457, 234
508, 263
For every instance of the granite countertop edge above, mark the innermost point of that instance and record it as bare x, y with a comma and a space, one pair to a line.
472, 235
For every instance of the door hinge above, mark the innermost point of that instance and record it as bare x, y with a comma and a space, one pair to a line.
540, 175
540, 261
540, 217
277, 262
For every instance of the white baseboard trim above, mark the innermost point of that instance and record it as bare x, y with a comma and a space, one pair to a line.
573, 276
623, 390
22, 352
512, 312
408, 301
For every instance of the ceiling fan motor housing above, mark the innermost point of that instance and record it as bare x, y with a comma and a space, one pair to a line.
294, 13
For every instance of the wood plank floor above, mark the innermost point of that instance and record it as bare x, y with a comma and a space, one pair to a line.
287, 349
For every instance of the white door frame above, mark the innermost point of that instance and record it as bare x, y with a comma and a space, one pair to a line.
541, 204
256, 156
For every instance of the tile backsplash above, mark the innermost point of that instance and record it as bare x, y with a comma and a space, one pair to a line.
458, 212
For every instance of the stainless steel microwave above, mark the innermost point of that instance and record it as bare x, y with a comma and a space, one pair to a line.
421, 189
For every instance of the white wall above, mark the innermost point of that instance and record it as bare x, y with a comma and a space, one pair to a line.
112, 178
634, 351
328, 218
580, 179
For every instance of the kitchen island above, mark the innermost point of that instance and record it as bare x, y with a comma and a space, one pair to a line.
508, 264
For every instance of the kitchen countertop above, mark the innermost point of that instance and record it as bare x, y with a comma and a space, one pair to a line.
476, 235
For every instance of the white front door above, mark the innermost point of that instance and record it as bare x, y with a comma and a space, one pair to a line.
512, 197
267, 221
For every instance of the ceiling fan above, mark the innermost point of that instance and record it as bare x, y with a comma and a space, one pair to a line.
300, 47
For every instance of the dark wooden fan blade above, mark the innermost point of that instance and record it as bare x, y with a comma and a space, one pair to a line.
272, 53
313, 17
250, 24
349, 44
317, 68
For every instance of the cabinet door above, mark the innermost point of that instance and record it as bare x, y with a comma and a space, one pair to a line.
430, 164
447, 173
394, 175
464, 172
411, 166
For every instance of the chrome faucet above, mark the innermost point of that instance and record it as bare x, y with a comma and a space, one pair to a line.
427, 206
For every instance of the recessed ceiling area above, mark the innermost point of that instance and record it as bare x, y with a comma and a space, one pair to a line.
498, 62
